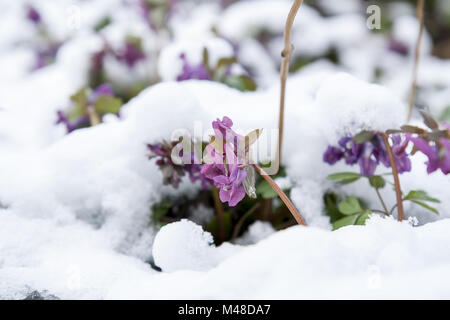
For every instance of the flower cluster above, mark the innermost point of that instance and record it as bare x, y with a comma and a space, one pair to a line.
199, 72
172, 172
226, 164
368, 155
46, 48
99, 101
435, 145
221, 72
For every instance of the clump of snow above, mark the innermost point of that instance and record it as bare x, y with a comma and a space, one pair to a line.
348, 105
185, 246
385, 259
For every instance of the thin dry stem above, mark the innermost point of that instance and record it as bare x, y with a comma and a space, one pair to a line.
238, 227
398, 191
286, 54
297, 216
412, 96
93, 116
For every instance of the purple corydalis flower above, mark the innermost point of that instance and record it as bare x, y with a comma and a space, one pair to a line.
226, 169
199, 72
369, 155
438, 158
130, 54
83, 120
33, 15
104, 89
173, 173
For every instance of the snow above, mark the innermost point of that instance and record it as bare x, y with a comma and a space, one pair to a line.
385, 259
75, 210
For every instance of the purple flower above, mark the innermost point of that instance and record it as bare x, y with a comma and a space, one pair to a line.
33, 15
173, 173
199, 72
438, 157
226, 169
332, 155
398, 47
369, 155
104, 89
445, 151
131, 53
74, 120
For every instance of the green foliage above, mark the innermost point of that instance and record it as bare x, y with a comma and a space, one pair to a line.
420, 197
106, 104
349, 211
160, 209
445, 115
364, 136
377, 182
344, 177
265, 190
350, 206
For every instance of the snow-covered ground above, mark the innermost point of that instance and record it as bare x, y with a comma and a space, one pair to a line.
75, 217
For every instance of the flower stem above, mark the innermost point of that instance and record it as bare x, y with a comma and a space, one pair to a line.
297, 216
386, 211
220, 215
412, 95
286, 54
398, 191
238, 226
93, 116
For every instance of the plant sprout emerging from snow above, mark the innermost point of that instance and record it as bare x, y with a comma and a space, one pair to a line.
89, 106
156, 12
368, 149
45, 47
229, 166
222, 72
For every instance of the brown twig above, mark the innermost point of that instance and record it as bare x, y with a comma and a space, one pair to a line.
297, 216
412, 95
238, 226
284, 70
220, 215
398, 190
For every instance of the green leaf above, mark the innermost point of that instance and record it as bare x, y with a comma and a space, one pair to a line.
331, 208
344, 177
241, 82
421, 196
364, 136
350, 206
106, 104
362, 218
102, 24
445, 115
265, 190
377, 182
346, 221
426, 206
159, 210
